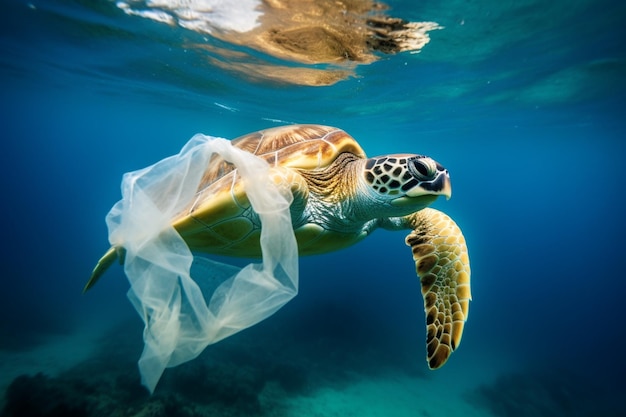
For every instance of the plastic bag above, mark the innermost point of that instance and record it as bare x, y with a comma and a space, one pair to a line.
179, 322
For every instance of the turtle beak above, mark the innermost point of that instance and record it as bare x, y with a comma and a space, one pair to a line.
447, 186
439, 186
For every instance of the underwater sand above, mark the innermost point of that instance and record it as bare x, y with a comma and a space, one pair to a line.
56, 354
296, 363
399, 395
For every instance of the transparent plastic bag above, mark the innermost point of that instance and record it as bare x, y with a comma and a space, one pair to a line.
179, 322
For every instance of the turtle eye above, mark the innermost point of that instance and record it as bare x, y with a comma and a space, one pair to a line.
420, 169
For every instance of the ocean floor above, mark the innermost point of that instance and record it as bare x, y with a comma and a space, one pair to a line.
52, 355
389, 395
94, 373
259, 373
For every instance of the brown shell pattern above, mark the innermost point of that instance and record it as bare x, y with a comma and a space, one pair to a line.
296, 146
213, 223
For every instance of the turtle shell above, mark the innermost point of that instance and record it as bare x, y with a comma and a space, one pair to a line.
219, 219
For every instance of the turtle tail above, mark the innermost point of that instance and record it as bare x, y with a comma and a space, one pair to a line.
103, 264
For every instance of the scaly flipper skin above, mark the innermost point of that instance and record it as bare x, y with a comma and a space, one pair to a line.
103, 264
442, 264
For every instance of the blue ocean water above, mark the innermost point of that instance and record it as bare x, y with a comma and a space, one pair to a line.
522, 101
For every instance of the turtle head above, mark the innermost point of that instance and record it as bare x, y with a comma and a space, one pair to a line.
405, 180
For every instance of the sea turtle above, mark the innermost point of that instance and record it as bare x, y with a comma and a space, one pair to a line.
339, 197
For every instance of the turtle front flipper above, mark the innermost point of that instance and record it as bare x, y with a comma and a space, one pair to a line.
442, 264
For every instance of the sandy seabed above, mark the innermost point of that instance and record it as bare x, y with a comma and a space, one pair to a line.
93, 372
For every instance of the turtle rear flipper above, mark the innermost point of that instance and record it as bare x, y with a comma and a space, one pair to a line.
103, 264
442, 263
